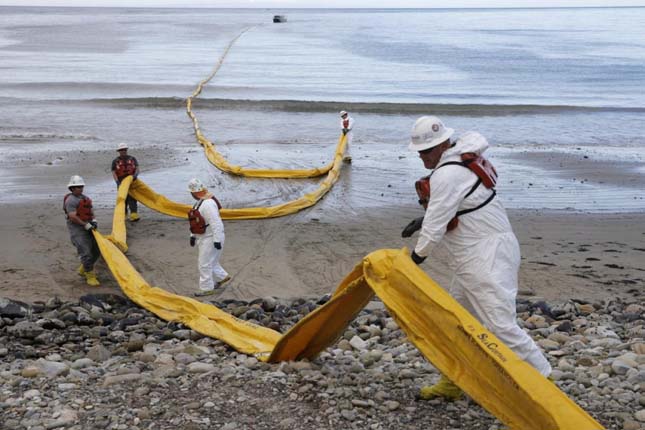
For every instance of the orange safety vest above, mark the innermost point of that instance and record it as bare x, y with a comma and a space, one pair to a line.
124, 167
480, 166
197, 222
83, 211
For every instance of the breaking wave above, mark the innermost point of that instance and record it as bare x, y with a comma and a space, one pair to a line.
37, 136
364, 107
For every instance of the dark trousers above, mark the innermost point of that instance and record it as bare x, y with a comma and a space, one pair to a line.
130, 203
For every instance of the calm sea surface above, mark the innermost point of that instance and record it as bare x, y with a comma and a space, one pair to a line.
530, 79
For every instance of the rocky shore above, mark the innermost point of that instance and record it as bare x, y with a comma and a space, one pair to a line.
102, 362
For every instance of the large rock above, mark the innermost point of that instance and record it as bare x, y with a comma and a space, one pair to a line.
52, 369
640, 415
199, 367
66, 418
99, 353
358, 343
601, 332
621, 365
14, 309
119, 379
25, 329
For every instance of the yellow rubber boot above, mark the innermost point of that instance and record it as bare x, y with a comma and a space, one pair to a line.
444, 389
81, 270
134, 217
90, 278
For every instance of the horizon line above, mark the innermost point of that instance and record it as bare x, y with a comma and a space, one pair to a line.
322, 8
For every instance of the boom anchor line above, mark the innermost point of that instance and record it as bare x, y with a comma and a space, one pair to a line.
445, 333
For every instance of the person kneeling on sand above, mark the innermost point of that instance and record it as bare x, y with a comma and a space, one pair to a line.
123, 166
207, 231
463, 213
80, 223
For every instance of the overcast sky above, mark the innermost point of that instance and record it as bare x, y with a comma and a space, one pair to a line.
324, 3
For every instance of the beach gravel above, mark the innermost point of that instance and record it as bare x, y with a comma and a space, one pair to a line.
104, 373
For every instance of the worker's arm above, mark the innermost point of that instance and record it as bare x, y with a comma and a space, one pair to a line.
116, 179
211, 215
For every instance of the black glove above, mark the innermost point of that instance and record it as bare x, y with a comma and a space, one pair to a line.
417, 260
192, 240
217, 245
413, 226
89, 226
94, 224
345, 131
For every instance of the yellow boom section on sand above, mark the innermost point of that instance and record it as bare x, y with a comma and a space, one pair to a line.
447, 335
144, 194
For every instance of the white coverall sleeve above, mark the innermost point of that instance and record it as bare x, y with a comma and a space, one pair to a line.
211, 215
448, 187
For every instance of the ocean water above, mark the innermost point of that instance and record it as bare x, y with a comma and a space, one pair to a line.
565, 81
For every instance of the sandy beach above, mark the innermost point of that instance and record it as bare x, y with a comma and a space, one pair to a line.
564, 254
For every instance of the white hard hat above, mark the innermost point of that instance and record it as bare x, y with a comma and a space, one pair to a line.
196, 186
429, 132
76, 181
122, 146
342, 113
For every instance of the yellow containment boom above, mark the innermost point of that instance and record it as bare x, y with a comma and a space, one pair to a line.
447, 335
203, 318
220, 162
119, 235
144, 194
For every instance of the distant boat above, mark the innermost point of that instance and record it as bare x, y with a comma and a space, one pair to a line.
279, 18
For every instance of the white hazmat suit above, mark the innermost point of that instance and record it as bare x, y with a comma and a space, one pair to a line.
347, 124
210, 269
485, 251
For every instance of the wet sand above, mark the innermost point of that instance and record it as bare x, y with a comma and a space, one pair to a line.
580, 256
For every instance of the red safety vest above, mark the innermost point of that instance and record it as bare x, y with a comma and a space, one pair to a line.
124, 167
486, 174
197, 222
83, 211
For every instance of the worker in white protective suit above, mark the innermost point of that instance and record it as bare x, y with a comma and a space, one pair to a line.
346, 125
207, 231
485, 251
